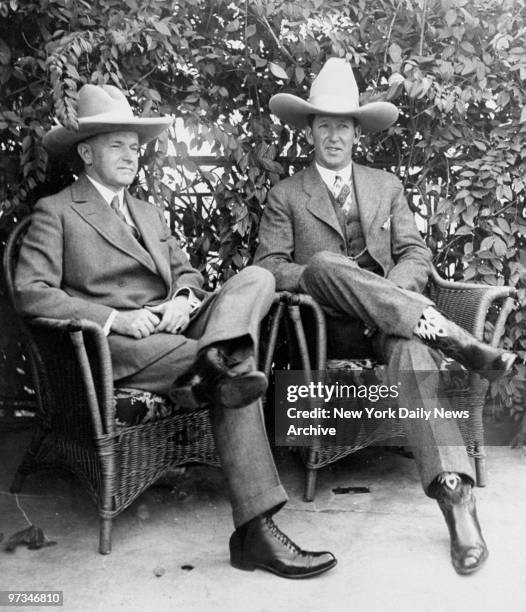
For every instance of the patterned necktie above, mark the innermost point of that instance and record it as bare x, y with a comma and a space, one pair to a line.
342, 193
115, 206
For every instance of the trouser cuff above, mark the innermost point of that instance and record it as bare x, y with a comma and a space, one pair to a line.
268, 502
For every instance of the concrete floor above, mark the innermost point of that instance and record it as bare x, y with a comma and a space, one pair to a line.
392, 543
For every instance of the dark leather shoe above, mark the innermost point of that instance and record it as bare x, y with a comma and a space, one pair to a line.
468, 548
486, 360
220, 379
236, 391
260, 544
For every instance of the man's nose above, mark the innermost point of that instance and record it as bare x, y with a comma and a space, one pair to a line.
130, 154
333, 133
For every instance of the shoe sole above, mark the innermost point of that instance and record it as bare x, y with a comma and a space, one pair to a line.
472, 570
253, 566
239, 392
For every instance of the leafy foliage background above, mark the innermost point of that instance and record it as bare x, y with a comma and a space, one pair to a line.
455, 68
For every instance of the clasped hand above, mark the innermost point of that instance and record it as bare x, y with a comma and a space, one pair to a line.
171, 317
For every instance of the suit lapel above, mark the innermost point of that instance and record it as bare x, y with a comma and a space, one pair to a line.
374, 210
319, 202
370, 202
90, 205
143, 219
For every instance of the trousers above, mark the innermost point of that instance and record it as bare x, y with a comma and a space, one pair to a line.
234, 312
353, 298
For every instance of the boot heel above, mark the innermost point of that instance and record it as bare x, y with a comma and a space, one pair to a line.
246, 567
236, 555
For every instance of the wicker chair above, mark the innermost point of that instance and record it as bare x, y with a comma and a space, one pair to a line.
465, 303
77, 429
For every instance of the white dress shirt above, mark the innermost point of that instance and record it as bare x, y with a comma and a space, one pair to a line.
108, 195
329, 176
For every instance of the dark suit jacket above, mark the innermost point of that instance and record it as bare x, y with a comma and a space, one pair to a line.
299, 220
79, 261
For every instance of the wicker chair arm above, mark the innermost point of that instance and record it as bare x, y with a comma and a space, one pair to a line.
91, 350
294, 301
467, 304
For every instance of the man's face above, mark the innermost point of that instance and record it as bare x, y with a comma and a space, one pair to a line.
111, 159
333, 139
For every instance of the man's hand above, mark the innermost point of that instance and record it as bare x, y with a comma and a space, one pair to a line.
135, 323
175, 315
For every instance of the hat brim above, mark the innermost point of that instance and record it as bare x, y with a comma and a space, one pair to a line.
372, 117
60, 140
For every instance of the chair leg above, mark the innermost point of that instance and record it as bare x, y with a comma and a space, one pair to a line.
480, 466
105, 536
28, 463
311, 475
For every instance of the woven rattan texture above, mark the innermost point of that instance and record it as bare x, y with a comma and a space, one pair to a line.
76, 427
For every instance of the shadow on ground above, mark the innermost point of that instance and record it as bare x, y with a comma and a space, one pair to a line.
170, 548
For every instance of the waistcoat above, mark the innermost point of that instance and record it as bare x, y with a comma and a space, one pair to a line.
354, 237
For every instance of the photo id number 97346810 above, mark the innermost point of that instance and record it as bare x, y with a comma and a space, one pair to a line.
31, 598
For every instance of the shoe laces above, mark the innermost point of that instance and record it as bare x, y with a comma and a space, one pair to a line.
281, 537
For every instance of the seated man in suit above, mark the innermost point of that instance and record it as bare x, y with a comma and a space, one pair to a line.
343, 233
93, 251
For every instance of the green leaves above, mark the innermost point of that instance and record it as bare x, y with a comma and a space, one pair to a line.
456, 70
278, 71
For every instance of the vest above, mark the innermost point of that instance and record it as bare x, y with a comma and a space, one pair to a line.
354, 237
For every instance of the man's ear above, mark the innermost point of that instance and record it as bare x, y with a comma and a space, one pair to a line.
85, 153
308, 135
357, 132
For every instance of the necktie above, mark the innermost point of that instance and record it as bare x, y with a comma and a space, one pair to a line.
115, 205
343, 196
342, 193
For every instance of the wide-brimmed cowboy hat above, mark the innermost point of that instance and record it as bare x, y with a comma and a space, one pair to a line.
103, 109
334, 92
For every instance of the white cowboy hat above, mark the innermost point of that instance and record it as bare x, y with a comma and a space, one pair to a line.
334, 92
102, 109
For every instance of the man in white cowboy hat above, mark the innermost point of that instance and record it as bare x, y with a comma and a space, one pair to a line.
93, 251
344, 234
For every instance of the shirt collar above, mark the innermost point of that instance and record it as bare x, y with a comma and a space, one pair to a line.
106, 193
328, 176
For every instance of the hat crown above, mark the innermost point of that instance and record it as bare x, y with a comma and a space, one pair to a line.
102, 99
334, 92
102, 109
336, 82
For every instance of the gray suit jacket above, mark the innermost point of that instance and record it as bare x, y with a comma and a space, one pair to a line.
79, 261
299, 220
